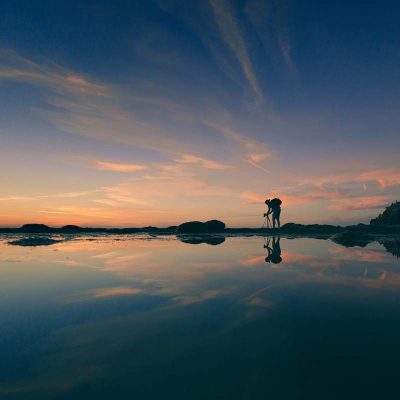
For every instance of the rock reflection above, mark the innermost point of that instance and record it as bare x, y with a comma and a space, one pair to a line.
34, 241
392, 247
211, 240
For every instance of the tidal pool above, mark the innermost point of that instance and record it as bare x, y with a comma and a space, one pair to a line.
142, 317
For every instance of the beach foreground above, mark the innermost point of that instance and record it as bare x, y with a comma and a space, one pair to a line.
148, 316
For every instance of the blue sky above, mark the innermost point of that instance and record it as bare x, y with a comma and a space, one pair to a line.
156, 112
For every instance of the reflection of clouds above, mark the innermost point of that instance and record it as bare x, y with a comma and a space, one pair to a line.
292, 257
206, 295
103, 292
69, 262
260, 298
162, 267
308, 261
373, 256
189, 283
253, 261
346, 267
110, 254
122, 260
384, 280
260, 302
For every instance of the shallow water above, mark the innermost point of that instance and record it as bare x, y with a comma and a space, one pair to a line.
148, 318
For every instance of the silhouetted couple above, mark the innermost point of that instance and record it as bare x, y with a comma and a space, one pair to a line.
274, 208
274, 251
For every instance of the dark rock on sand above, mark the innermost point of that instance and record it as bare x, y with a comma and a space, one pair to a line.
71, 229
191, 227
213, 226
35, 228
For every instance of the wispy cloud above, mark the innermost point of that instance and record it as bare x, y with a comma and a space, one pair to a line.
117, 167
361, 203
83, 106
253, 198
251, 151
233, 36
256, 159
384, 178
202, 162
348, 192
167, 186
18, 68
49, 196
268, 19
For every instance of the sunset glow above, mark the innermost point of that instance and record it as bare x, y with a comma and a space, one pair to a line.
160, 112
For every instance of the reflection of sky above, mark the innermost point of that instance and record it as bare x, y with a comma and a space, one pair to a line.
198, 109
78, 311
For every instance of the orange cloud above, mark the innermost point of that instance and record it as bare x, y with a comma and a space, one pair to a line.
385, 178
203, 162
49, 196
118, 167
360, 203
253, 198
290, 197
258, 157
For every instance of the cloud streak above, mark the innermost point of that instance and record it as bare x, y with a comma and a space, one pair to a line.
15, 67
202, 162
233, 37
67, 195
117, 167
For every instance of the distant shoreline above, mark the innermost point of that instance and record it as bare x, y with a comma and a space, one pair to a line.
387, 223
289, 229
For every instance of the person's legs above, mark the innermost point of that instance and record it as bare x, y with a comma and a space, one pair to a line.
277, 215
275, 218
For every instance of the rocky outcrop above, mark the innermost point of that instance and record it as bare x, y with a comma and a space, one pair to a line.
35, 228
71, 229
391, 215
310, 229
213, 226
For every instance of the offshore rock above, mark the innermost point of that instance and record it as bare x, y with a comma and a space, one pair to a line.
213, 226
35, 228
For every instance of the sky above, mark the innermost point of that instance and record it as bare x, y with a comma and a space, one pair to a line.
156, 112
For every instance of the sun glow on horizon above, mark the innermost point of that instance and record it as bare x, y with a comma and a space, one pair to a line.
211, 108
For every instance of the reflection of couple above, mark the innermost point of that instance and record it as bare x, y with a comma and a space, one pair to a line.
274, 251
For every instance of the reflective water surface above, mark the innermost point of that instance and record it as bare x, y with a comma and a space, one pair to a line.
243, 318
